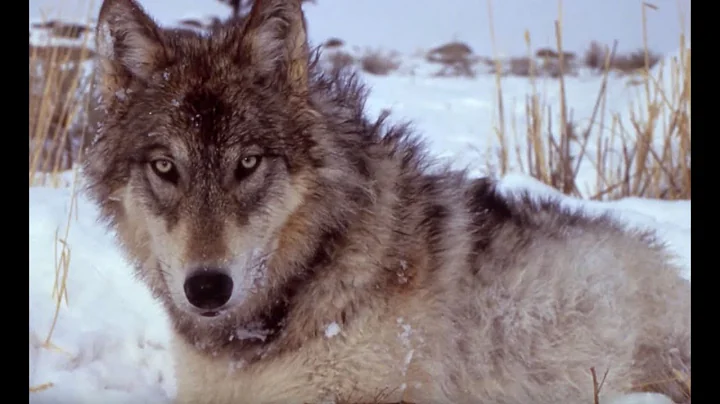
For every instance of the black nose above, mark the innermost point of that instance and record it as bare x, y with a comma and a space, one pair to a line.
208, 288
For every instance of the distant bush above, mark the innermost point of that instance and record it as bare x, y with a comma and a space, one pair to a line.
338, 59
333, 43
379, 63
456, 59
596, 55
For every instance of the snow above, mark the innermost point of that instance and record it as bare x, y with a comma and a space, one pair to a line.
110, 342
332, 330
111, 337
642, 398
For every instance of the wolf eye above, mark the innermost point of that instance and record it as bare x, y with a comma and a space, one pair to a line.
247, 166
165, 169
250, 162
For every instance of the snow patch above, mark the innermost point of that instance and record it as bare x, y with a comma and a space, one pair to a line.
332, 330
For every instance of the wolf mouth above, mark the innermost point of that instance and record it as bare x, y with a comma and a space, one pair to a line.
213, 313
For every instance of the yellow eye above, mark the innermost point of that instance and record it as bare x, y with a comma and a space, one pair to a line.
163, 166
249, 162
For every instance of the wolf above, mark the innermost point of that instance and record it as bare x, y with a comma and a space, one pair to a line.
307, 253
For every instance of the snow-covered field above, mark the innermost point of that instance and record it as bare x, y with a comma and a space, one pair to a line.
110, 340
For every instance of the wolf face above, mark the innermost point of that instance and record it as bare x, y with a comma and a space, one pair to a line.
210, 149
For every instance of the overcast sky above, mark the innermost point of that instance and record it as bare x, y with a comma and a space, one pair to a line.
408, 25
412, 24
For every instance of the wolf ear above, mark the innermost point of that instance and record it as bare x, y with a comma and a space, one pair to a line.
129, 44
275, 39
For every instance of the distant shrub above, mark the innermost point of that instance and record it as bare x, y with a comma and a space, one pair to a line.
596, 56
379, 63
455, 57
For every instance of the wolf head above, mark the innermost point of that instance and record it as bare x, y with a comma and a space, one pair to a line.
225, 163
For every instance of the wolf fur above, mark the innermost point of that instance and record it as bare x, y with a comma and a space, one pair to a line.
363, 271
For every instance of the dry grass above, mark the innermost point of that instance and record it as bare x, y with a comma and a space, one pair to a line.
597, 385
60, 109
59, 106
643, 152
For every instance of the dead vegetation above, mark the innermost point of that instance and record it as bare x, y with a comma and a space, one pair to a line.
379, 63
60, 111
60, 29
332, 43
456, 59
643, 151
59, 107
633, 62
550, 63
340, 59
372, 61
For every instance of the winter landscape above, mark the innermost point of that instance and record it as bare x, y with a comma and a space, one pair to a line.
482, 83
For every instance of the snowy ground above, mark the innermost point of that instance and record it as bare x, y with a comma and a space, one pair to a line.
110, 342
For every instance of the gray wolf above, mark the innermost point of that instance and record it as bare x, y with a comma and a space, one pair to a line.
306, 253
